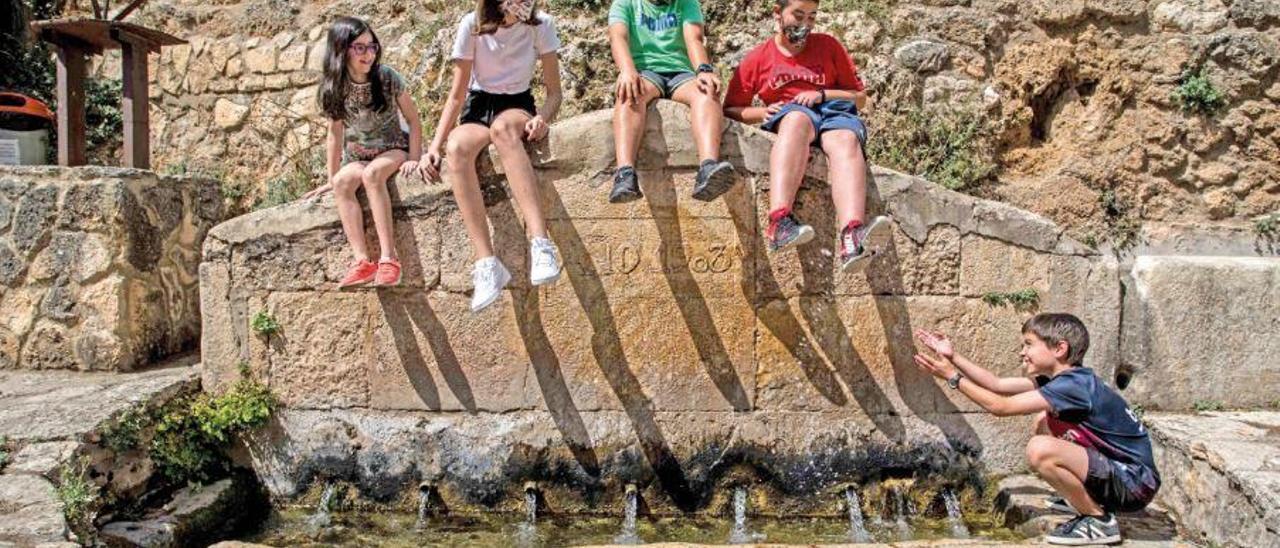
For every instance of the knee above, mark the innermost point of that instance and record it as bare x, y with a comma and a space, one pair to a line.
506, 133
796, 125
345, 184
457, 152
372, 177
1040, 451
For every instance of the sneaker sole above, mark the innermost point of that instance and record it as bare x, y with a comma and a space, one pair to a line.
1113, 539
718, 183
805, 236
355, 285
546, 281
877, 239
506, 279
395, 283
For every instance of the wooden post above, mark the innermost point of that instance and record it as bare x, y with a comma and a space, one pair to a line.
71, 85
137, 106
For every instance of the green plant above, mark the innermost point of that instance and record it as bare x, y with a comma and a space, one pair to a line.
876, 9
1021, 299
4, 452
949, 147
264, 324
1138, 411
193, 431
1196, 93
1267, 227
125, 432
1123, 229
76, 493
1201, 406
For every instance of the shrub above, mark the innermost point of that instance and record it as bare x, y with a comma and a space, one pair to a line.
264, 324
951, 148
193, 431
1021, 299
1196, 93
77, 494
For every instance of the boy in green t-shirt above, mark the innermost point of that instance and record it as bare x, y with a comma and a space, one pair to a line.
657, 44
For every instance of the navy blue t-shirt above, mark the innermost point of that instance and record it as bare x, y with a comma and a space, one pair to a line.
1092, 414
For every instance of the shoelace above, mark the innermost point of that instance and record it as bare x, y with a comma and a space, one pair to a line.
544, 255
484, 275
1071, 525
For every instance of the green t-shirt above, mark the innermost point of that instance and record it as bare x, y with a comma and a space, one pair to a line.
657, 32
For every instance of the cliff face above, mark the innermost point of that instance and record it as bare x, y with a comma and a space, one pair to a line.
1072, 101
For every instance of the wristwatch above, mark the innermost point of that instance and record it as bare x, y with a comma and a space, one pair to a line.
706, 67
954, 381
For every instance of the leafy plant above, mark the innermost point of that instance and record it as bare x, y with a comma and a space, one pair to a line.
76, 493
951, 148
1267, 227
126, 432
193, 431
4, 452
264, 324
1201, 406
1122, 226
1196, 93
1021, 299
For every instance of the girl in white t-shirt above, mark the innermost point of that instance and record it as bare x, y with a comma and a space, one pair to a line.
494, 55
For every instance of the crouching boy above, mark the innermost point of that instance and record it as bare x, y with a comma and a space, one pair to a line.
1089, 446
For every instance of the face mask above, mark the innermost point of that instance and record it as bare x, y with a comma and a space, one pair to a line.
518, 9
797, 34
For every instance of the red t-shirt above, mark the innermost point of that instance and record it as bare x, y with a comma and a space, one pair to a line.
771, 74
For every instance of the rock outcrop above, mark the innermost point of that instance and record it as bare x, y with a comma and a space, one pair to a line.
674, 348
98, 266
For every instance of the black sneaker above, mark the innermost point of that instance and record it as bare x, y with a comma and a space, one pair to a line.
1059, 504
1085, 530
863, 242
714, 178
786, 232
626, 187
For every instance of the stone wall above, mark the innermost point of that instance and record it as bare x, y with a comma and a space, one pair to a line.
98, 266
1077, 93
673, 349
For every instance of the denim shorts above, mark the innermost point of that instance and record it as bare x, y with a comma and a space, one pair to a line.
832, 115
667, 82
1119, 486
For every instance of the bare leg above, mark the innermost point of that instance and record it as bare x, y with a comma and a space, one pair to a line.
465, 144
708, 119
847, 173
1064, 466
789, 159
507, 135
375, 177
345, 183
628, 123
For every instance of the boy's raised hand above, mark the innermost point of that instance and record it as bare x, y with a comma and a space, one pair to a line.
937, 342
936, 367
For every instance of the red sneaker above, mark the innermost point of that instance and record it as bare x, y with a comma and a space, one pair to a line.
360, 273
388, 273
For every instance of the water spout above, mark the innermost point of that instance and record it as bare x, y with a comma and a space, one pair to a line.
739, 534
901, 511
958, 529
857, 527
424, 505
629, 534
321, 520
527, 532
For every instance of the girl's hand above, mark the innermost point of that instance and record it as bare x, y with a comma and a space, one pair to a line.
536, 128
808, 98
317, 191
938, 368
937, 342
429, 167
408, 168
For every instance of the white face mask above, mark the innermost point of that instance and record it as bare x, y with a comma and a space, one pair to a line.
520, 10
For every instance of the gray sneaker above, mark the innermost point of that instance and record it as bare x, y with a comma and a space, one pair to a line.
714, 178
864, 242
1086, 530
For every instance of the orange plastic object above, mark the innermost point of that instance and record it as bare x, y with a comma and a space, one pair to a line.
21, 104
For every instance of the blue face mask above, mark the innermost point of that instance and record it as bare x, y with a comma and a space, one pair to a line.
797, 34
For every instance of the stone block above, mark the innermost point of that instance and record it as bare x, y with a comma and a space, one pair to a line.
1196, 329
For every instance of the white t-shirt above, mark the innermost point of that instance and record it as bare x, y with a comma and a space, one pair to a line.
504, 61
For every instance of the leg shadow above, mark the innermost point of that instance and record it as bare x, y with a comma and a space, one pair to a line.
407, 313
688, 296
606, 346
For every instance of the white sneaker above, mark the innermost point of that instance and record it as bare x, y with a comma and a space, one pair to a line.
544, 265
488, 278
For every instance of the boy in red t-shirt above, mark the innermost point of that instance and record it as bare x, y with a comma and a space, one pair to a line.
812, 94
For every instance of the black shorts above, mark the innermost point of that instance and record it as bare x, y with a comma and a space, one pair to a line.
1119, 486
483, 107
